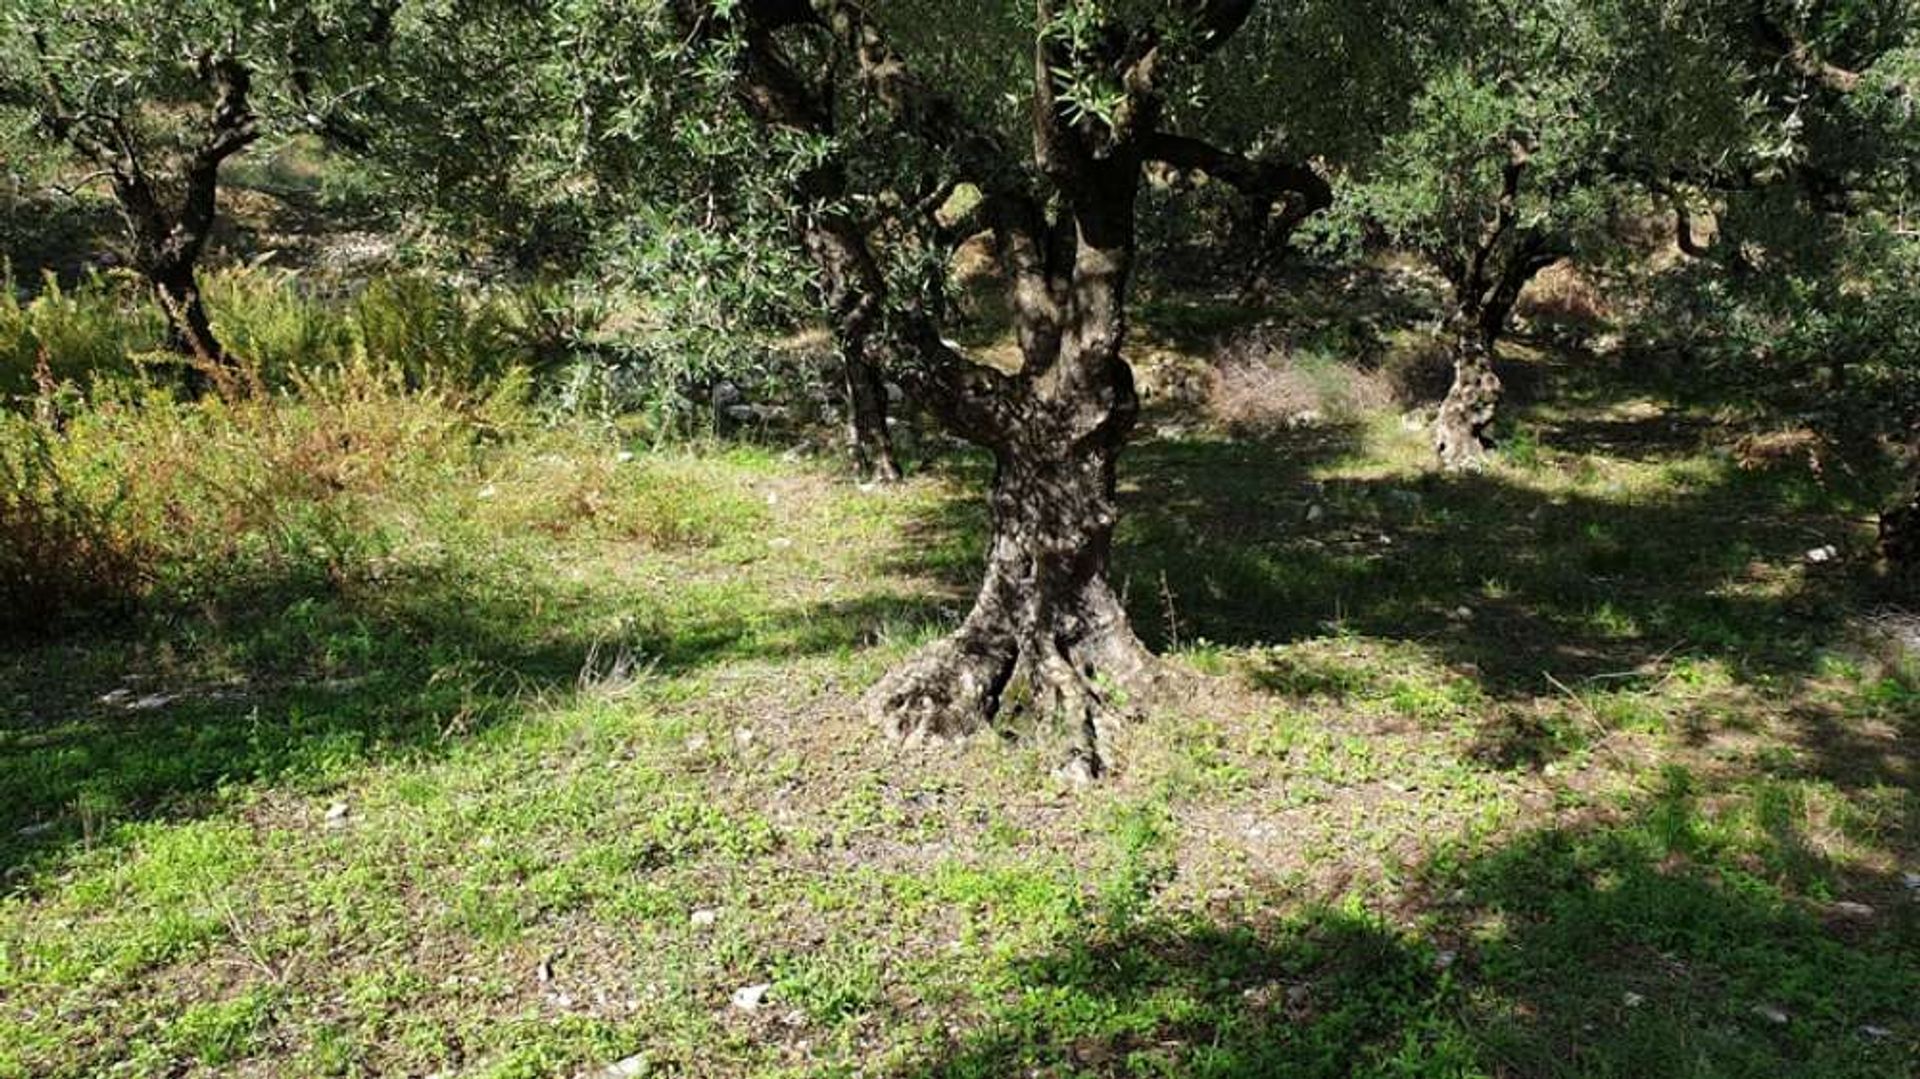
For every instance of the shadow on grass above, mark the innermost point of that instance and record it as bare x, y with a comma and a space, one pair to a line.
1646, 945
1529, 592
298, 684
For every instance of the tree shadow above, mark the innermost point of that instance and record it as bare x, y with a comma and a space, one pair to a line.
1537, 593
297, 684
1632, 946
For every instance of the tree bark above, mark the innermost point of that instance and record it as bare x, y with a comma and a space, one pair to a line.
1046, 628
1460, 431
189, 331
867, 433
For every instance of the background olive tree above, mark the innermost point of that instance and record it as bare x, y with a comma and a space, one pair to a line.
153, 99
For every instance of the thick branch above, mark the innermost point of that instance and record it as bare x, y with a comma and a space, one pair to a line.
1260, 179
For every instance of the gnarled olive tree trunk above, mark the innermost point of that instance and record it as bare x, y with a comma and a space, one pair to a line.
1047, 624
1461, 436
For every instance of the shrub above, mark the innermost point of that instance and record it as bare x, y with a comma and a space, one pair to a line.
268, 320
63, 548
91, 333
432, 334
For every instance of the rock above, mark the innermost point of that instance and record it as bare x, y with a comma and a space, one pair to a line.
1821, 555
1315, 512
1770, 1013
1075, 773
1463, 614
151, 702
31, 830
1875, 1033
630, 1068
1445, 958
749, 997
704, 918
337, 815
118, 696
1847, 909
1632, 999
780, 543
1912, 881
623, 456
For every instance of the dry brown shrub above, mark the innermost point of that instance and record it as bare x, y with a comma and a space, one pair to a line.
1254, 398
1418, 372
1771, 449
1563, 295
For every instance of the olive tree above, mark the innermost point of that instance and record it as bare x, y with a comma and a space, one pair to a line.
1530, 132
1805, 295
1051, 113
155, 96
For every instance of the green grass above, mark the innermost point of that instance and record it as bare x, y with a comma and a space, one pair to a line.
521, 756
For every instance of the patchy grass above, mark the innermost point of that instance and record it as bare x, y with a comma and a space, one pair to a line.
1574, 767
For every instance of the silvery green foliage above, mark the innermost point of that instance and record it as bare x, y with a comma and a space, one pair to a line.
134, 61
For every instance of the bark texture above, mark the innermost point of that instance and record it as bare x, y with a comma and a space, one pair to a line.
1460, 431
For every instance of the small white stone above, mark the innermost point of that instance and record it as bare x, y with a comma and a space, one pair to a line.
631, 1068
704, 918
151, 702
488, 491
779, 543
1315, 512
749, 997
1876, 1033
1632, 999
1823, 554
337, 815
623, 457
1770, 1013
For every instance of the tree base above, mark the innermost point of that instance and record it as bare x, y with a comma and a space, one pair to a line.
1900, 547
1460, 438
974, 681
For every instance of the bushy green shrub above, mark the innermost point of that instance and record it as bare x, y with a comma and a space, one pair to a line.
97, 330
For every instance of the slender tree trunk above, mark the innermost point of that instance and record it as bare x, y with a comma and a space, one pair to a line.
189, 331
1900, 533
867, 430
1460, 435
